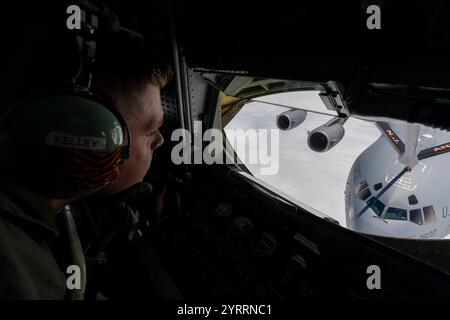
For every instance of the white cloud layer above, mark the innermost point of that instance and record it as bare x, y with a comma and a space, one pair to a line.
316, 179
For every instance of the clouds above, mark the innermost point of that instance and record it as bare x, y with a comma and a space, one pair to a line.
316, 179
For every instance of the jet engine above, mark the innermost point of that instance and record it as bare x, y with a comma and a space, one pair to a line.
327, 136
290, 119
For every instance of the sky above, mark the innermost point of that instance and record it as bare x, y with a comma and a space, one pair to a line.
316, 179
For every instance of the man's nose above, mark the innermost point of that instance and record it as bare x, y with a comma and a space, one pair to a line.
158, 141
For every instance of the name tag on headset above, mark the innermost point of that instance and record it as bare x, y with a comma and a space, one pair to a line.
76, 142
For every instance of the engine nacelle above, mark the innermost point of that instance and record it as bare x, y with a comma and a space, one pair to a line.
290, 119
327, 136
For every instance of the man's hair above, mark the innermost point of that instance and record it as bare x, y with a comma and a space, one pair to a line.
126, 65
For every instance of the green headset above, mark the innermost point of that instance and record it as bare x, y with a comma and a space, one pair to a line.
69, 142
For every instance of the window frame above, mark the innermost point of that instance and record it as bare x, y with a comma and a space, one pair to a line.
421, 216
372, 203
390, 218
414, 202
378, 186
425, 220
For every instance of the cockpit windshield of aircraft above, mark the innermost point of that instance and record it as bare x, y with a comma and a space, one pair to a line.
376, 176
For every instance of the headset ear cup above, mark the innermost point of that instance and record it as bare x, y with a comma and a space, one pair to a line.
125, 130
69, 138
7, 119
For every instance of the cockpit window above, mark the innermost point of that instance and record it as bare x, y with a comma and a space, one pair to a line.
376, 205
396, 214
363, 191
416, 216
378, 186
364, 194
429, 215
413, 200
361, 186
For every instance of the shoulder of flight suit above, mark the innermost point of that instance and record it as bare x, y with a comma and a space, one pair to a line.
28, 269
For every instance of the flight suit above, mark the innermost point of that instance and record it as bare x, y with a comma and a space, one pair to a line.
28, 268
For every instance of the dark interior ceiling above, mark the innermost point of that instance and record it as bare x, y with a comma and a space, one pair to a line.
317, 40
306, 40
303, 40
322, 41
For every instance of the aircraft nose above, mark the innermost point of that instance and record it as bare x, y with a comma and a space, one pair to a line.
411, 179
368, 224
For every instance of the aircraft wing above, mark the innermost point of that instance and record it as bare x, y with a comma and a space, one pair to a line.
308, 101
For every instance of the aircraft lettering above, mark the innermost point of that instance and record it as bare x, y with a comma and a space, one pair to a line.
442, 148
357, 172
348, 198
428, 235
392, 136
445, 212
